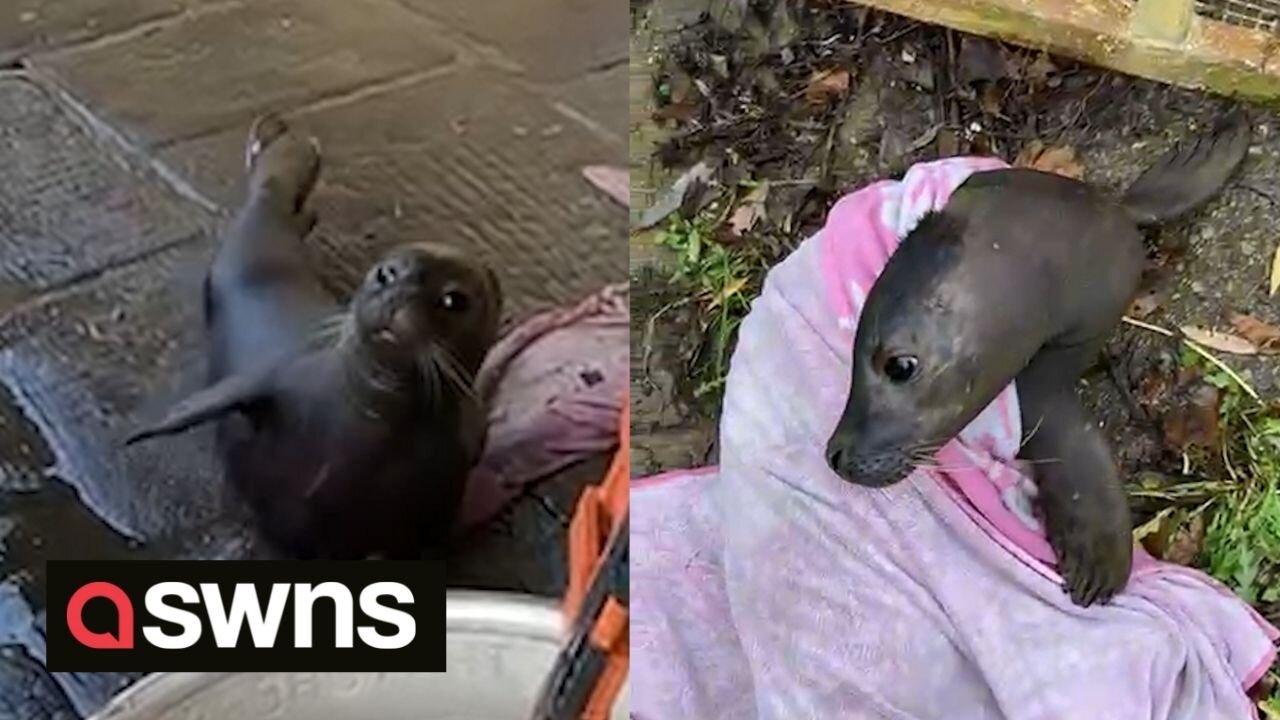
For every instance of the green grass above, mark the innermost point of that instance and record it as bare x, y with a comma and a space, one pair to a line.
1242, 537
719, 281
1240, 500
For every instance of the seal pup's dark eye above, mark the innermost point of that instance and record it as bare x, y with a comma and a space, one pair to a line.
454, 301
901, 368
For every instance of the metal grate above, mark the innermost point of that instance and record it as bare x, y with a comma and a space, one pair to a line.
1255, 14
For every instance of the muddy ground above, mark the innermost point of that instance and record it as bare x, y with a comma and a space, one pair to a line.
819, 98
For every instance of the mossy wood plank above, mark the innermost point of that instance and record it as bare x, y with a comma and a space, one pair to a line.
1212, 55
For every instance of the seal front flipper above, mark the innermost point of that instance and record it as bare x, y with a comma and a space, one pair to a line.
228, 395
282, 163
1190, 175
1081, 496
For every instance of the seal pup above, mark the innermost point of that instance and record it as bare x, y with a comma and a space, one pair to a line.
349, 431
1021, 275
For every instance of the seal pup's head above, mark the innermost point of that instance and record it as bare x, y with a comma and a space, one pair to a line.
429, 307
935, 344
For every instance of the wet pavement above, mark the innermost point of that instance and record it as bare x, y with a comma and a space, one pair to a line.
121, 131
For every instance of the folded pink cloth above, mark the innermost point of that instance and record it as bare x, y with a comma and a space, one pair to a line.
555, 386
770, 588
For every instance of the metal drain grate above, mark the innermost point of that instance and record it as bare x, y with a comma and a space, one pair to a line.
1255, 14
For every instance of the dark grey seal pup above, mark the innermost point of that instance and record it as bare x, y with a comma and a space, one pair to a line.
1021, 275
349, 431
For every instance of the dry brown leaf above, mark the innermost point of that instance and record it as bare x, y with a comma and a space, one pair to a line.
1264, 336
749, 211
1275, 272
1220, 341
1187, 541
1195, 422
727, 292
979, 59
1144, 305
1060, 159
989, 100
1038, 72
826, 84
1152, 388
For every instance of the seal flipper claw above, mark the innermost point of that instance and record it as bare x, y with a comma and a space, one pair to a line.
1189, 175
282, 162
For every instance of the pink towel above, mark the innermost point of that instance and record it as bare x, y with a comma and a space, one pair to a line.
769, 588
555, 386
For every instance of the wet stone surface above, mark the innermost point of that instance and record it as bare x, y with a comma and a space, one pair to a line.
436, 161
286, 52
121, 139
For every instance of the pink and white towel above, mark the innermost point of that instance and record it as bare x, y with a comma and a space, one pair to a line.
768, 588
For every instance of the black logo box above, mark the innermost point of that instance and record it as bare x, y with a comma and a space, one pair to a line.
425, 579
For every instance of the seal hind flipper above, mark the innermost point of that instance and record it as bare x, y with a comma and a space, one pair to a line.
228, 395
1189, 175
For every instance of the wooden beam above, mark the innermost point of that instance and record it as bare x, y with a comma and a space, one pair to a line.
1157, 39
1163, 21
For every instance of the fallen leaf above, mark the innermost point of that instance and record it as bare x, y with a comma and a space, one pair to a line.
1152, 388
1220, 341
1145, 304
948, 142
989, 99
749, 211
1264, 336
681, 112
826, 84
671, 200
894, 146
612, 181
1060, 160
1038, 72
1187, 542
1152, 528
979, 59
1195, 421
728, 291
1275, 272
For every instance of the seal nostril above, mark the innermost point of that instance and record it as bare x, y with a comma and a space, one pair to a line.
385, 274
835, 459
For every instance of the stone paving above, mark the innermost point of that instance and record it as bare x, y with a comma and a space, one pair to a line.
121, 132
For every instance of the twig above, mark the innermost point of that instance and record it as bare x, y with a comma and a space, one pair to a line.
1258, 191
1199, 350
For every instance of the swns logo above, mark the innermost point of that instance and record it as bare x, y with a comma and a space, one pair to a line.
214, 616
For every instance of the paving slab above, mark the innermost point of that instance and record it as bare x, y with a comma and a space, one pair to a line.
92, 363
68, 207
471, 159
596, 100
219, 68
549, 39
33, 25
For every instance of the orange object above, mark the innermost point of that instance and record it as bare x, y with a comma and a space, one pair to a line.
600, 513
593, 665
